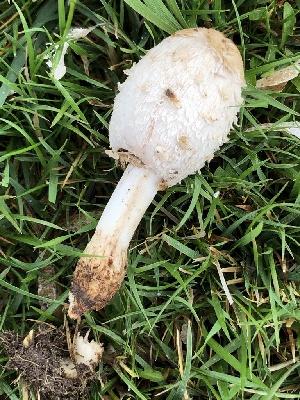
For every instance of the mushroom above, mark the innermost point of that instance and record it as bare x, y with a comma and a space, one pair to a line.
174, 110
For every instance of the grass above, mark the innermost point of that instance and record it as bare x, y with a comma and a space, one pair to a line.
171, 331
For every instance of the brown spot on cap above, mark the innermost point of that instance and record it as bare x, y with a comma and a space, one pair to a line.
172, 96
183, 142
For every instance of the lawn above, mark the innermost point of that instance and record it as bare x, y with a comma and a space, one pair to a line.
229, 233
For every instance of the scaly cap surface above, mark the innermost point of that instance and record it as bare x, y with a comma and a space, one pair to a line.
179, 102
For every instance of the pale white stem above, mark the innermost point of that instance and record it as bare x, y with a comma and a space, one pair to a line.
126, 207
97, 279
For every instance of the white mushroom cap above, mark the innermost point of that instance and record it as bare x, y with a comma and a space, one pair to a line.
179, 102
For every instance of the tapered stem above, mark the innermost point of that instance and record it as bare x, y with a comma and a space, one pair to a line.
97, 279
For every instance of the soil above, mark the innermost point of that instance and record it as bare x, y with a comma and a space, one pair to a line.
37, 358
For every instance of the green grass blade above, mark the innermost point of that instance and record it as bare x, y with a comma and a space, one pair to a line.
165, 22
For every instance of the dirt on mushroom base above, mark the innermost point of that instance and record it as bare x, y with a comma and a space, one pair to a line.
39, 364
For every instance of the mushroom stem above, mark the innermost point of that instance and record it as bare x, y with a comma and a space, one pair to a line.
99, 274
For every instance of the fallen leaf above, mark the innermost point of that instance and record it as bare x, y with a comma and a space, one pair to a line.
279, 78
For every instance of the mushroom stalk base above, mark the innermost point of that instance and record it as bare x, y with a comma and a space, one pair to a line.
99, 274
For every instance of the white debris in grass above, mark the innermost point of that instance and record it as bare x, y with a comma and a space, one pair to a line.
60, 69
215, 261
86, 352
224, 285
290, 127
278, 79
293, 128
